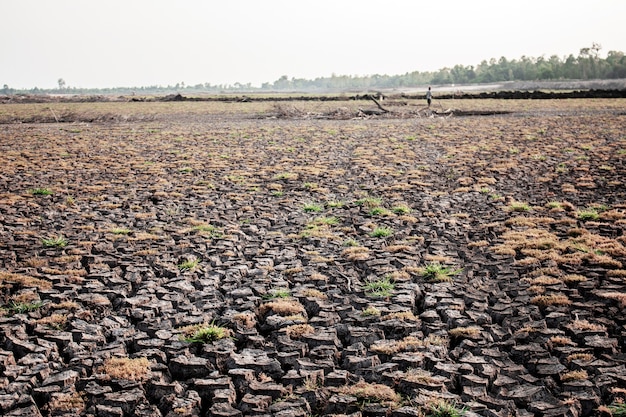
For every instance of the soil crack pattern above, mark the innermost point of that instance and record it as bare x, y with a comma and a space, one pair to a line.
196, 259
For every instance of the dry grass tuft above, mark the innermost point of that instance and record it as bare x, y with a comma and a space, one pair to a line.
583, 357
283, 307
469, 331
62, 403
296, 331
365, 391
579, 375
584, 325
551, 300
356, 253
314, 293
137, 369
25, 281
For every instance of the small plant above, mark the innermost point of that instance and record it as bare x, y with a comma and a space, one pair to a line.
370, 311
378, 211
54, 242
120, 231
401, 209
286, 176
554, 205
516, 206
381, 231
439, 273
443, 408
588, 214
578, 375
278, 293
204, 333
329, 221
351, 243
335, 204
617, 409
369, 202
379, 288
16, 307
41, 191
312, 208
188, 264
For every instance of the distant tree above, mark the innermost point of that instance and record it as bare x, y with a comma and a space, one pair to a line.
62, 84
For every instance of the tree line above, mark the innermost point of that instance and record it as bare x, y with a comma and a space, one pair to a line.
587, 65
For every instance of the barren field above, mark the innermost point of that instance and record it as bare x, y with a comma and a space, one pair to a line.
303, 259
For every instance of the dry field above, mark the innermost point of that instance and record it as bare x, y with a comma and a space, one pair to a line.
299, 259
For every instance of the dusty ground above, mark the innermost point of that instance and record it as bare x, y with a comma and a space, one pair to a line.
308, 242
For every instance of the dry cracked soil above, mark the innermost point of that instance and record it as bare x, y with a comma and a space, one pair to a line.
178, 262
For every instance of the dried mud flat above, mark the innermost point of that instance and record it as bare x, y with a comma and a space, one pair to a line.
374, 267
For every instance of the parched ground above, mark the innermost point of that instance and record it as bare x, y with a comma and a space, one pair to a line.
220, 259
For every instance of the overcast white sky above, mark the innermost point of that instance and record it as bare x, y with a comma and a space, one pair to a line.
131, 43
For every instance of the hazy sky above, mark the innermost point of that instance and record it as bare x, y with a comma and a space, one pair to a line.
130, 43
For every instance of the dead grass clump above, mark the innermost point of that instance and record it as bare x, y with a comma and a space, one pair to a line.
246, 319
561, 341
356, 253
536, 289
282, 307
420, 376
543, 280
296, 331
616, 273
604, 261
478, 244
53, 321
407, 344
137, 369
578, 375
24, 281
65, 305
573, 278
61, 402
312, 292
580, 356
461, 332
399, 248
365, 391
585, 325
527, 261
401, 315
551, 300
620, 297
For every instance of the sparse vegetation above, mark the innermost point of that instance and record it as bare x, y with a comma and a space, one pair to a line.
381, 231
444, 408
54, 242
379, 288
438, 273
188, 264
41, 191
204, 333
